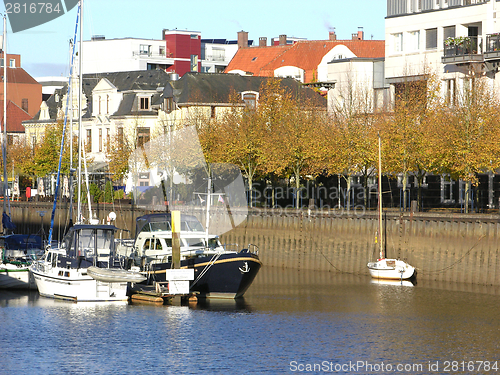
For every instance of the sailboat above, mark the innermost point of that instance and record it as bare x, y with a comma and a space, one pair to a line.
85, 266
383, 268
16, 250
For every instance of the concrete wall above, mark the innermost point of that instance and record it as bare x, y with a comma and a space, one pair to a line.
443, 247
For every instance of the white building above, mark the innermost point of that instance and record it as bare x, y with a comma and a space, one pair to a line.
101, 55
450, 38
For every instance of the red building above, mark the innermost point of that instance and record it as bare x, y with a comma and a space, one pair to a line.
185, 48
22, 89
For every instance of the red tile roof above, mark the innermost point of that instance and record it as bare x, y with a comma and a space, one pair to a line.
306, 55
18, 75
15, 117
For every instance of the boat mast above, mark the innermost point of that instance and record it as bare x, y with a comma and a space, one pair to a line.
209, 196
4, 139
381, 237
79, 179
61, 152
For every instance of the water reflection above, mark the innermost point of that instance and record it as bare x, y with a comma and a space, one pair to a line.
286, 315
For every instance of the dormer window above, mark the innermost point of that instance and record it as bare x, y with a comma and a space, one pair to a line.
250, 98
144, 104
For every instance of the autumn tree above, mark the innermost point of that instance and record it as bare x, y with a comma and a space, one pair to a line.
467, 133
353, 149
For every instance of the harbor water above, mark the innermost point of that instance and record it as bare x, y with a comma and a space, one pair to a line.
289, 321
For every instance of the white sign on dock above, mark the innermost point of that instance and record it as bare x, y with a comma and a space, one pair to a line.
179, 274
178, 287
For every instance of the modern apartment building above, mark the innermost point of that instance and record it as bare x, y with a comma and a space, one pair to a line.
179, 51
450, 38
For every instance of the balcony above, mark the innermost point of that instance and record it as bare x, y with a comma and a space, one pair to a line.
492, 51
463, 50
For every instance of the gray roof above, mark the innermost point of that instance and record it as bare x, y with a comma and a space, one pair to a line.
217, 87
200, 88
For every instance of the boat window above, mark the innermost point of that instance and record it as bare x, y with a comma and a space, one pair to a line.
195, 242
213, 243
193, 226
159, 226
158, 245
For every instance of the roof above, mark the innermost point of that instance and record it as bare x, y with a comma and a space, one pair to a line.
304, 54
19, 75
210, 88
253, 59
15, 117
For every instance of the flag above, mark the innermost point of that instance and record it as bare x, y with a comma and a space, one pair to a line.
221, 199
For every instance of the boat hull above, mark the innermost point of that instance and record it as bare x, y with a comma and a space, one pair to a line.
16, 277
78, 288
391, 269
228, 276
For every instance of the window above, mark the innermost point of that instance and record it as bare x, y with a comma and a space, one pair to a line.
107, 104
212, 111
398, 42
144, 49
100, 140
431, 39
194, 63
99, 99
250, 98
414, 41
142, 136
89, 141
12, 63
120, 136
108, 138
144, 104
448, 32
161, 51
450, 91
169, 105
24, 104
395, 7
426, 4
33, 140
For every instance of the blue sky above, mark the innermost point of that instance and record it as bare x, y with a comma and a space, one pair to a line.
44, 49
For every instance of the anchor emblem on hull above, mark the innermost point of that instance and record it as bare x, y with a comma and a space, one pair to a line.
245, 269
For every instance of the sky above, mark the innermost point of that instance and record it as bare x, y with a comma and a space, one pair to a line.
44, 49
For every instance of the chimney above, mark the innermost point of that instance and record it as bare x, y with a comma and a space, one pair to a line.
332, 35
242, 39
360, 35
283, 40
262, 41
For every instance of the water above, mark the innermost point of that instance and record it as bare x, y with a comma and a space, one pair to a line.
289, 322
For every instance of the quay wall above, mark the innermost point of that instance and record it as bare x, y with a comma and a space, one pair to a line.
443, 247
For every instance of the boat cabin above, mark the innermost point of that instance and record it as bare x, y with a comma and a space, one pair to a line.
86, 245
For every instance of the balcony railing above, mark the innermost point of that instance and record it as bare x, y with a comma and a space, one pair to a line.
149, 54
464, 49
492, 50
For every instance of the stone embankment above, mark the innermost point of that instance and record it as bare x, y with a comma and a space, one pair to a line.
443, 247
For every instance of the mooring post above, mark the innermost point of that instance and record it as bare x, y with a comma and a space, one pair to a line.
176, 239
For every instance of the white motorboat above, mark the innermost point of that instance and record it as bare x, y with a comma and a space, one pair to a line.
63, 272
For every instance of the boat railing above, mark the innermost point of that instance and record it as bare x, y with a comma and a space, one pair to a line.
252, 249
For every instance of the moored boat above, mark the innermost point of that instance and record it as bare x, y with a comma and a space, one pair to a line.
63, 272
219, 272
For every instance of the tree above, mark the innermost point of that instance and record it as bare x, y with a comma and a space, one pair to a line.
466, 139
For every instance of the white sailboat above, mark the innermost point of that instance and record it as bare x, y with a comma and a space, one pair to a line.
383, 268
85, 267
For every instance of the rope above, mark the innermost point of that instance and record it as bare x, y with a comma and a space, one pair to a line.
207, 267
458, 261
